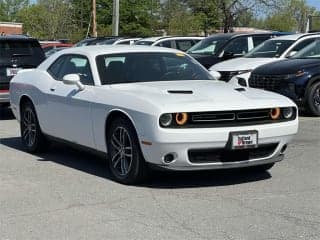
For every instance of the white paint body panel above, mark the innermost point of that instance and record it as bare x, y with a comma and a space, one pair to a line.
80, 116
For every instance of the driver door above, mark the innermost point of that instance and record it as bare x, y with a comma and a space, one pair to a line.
68, 107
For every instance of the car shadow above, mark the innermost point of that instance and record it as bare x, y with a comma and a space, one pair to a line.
6, 113
95, 165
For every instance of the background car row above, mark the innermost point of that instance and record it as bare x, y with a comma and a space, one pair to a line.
230, 58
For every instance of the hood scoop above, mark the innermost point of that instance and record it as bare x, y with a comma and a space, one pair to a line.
180, 91
240, 89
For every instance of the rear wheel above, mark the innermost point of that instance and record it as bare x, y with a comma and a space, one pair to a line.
313, 99
31, 135
126, 162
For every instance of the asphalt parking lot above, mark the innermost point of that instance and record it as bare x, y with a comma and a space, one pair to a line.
67, 194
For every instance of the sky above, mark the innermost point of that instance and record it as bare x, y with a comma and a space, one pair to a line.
314, 3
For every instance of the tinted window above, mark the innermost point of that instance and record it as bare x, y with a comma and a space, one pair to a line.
9, 48
237, 46
184, 45
208, 46
147, 43
148, 67
72, 64
257, 40
311, 51
302, 45
55, 68
269, 49
167, 44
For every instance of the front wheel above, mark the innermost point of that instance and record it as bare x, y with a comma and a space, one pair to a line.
31, 135
313, 99
126, 162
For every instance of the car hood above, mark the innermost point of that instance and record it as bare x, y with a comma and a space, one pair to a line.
289, 66
207, 95
241, 64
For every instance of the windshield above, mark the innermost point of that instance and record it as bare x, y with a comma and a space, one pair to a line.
146, 43
310, 52
149, 67
209, 46
270, 49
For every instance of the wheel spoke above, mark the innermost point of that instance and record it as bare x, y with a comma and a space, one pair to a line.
115, 142
124, 166
116, 158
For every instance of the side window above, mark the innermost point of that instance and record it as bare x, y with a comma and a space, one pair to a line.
72, 64
238, 46
55, 68
301, 45
166, 44
184, 45
257, 40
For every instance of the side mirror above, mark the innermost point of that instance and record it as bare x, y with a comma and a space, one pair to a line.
215, 74
227, 55
73, 79
291, 53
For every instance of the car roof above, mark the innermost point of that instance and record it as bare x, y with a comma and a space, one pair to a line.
231, 35
114, 49
154, 39
297, 36
17, 37
96, 50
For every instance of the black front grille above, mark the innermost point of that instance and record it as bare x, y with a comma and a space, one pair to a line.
228, 155
267, 82
226, 76
231, 118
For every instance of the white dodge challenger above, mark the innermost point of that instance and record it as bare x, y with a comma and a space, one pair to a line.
142, 106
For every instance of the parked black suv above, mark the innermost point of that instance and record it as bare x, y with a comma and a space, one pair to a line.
224, 46
297, 78
16, 52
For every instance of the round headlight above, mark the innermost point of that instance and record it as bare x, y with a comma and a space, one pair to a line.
165, 119
275, 113
181, 118
287, 112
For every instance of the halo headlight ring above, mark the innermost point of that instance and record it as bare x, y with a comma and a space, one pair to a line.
275, 113
181, 118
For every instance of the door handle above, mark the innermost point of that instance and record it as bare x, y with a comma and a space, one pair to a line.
52, 89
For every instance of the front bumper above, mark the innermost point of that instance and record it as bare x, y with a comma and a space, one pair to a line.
179, 143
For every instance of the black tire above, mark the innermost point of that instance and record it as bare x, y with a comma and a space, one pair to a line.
31, 135
262, 168
126, 162
313, 99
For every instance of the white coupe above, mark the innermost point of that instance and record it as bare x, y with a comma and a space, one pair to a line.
142, 107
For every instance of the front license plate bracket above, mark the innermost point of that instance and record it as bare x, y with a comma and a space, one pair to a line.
243, 139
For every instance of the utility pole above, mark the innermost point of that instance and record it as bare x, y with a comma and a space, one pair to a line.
115, 18
94, 19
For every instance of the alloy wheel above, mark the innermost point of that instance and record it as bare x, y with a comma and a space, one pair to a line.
29, 127
121, 151
316, 97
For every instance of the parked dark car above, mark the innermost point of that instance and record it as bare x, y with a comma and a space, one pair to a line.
297, 78
93, 41
16, 53
224, 46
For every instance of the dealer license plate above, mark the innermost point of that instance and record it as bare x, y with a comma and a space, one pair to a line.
12, 71
241, 140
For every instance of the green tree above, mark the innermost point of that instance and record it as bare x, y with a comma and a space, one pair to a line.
48, 19
10, 8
